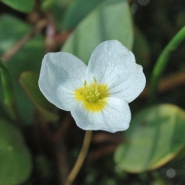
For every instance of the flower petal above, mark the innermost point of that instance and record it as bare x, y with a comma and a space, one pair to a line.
110, 57
114, 117
130, 88
114, 65
60, 74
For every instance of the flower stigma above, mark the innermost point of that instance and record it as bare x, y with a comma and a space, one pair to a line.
93, 96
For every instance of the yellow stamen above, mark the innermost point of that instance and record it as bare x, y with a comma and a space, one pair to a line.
93, 96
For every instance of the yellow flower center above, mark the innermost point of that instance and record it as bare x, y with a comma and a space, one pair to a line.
93, 96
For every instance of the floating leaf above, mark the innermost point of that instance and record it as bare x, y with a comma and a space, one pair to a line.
156, 135
110, 20
20, 5
29, 82
15, 159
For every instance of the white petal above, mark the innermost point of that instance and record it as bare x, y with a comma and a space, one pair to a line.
114, 117
110, 59
60, 74
113, 64
131, 87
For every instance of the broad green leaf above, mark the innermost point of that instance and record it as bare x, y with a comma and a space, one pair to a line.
20, 5
110, 20
76, 12
29, 82
7, 89
27, 59
156, 135
15, 159
141, 48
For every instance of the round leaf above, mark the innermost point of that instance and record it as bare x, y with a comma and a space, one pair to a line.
15, 159
156, 136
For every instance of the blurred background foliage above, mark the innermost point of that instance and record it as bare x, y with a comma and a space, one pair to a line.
39, 143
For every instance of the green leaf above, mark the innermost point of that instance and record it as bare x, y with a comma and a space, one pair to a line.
20, 5
27, 59
162, 62
15, 159
156, 135
78, 11
6, 81
7, 88
29, 82
58, 10
8, 37
110, 20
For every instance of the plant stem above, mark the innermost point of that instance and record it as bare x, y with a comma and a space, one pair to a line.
81, 158
162, 62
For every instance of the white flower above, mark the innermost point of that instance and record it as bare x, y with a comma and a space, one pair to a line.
98, 94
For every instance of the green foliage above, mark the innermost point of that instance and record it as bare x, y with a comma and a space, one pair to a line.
20, 5
8, 37
15, 159
8, 95
74, 14
6, 81
59, 9
155, 137
162, 62
24, 60
29, 82
110, 20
